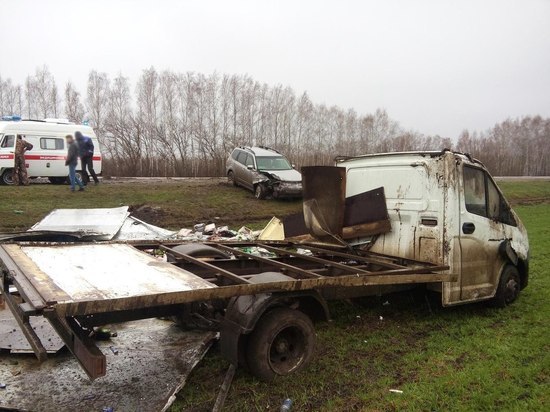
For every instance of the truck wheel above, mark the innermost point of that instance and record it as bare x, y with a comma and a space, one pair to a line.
282, 343
231, 178
508, 287
7, 177
260, 191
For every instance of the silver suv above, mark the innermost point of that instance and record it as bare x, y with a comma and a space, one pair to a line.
265, 171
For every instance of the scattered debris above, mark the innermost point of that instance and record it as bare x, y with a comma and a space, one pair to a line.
167, 345
286, 406
273, 231
114, 350
396, 391
3, 386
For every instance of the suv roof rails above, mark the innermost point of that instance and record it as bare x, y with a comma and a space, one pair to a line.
268, 148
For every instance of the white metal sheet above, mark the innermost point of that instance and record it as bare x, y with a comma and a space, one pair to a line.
135, 229
101, 223
91, 272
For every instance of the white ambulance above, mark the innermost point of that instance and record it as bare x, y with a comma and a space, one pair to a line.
47, 158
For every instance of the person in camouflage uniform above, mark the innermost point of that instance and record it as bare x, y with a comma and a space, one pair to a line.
20, 170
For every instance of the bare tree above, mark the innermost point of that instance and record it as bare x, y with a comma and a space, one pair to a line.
74, 110
97, 101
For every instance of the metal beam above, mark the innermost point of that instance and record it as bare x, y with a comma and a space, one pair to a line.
225, 273
82, 347
286, 267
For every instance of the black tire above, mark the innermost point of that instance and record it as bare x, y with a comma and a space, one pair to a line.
509, 286
282, 343
7, 177
260, 191
201, 251
57, 180
231, 178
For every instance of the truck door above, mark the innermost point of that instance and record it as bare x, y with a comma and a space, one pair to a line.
480, 234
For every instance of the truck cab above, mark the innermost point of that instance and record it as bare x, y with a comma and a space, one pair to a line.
445, 208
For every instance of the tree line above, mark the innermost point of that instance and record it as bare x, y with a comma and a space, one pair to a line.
186, 124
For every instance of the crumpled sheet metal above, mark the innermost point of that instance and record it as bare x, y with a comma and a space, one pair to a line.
99, 223
153, 360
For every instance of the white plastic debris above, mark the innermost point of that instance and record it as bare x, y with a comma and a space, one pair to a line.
184, 232
209, 229
395, 391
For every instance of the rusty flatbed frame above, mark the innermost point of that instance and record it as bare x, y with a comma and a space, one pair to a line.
321, 268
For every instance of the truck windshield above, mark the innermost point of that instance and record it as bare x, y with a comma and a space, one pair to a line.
272, 163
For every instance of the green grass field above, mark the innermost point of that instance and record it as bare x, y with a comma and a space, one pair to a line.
465, 358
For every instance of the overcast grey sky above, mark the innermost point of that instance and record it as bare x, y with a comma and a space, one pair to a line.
436, 66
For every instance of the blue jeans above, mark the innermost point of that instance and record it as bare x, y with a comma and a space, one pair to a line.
73, 177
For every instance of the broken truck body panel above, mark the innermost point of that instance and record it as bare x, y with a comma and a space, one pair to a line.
121, 283
444, 208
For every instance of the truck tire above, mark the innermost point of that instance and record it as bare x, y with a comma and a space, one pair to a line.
231, 178
508, 287
260, 191
7, 177
282, 342
199, 250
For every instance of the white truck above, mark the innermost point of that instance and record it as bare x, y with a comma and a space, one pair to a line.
445, 208
47, 158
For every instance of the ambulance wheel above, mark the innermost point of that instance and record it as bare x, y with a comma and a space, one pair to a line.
79, 175
7, 177
281, 343
508, 287
56, 180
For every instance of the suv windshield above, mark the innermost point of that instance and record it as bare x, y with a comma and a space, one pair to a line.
272, 163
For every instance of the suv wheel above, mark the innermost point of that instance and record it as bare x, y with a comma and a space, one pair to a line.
231, 178
260, 191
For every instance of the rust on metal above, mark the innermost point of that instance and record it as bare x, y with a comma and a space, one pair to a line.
324, 193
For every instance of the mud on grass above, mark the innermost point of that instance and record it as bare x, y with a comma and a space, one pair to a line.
170, 204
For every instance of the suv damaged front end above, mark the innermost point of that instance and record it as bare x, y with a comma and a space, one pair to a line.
280, 183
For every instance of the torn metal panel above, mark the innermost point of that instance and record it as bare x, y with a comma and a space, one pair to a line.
148, 363
102, 224
324, 196
366, 214
294, 225
366, 207
135, 229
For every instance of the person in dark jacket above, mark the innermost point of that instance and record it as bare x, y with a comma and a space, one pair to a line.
86, 153
72, 162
